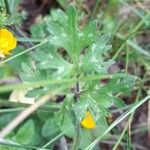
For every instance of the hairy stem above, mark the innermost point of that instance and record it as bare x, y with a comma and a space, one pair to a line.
77, 128
76, 138
10, 106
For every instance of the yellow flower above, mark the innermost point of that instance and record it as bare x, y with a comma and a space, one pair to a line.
88, 121
7, 42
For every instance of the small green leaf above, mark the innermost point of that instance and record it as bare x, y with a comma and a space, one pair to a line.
106, 94
16, 64
35, 93
25, 134
101, 126
86, 138
5, 118
25, 67
80, 108
88, 34
72, 32
38, 30
59, 16
34, 75
67, 123
50, 128
119, 85
103, 40
72, 20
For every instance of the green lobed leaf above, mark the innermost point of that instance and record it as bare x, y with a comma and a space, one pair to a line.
106, 94
89, 34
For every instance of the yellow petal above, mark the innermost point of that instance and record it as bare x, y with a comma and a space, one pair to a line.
88, 121
7, 41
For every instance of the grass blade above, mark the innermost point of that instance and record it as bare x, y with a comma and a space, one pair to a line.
117, 121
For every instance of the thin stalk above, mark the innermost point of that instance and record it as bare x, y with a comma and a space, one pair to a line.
134, 10
134, 45
7, 7
28, 40
129, 143
138, 25
29, 44
129, 147
127, 59
131, 34
77, 128
148, 121
95, 9
77, 138
11, 110
131, 118
36, 84
119, 50
14, 106
57, 137
123, 132
117, 121
134, 145
128, 125
120, 138
18, 146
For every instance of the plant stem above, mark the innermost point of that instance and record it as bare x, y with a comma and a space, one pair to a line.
129, 36
120, 138
15, 145
6, 88
123, 132
57, 137
129, 147
95, 9
117, 121
76, 138
14, 106
7, 7
119, 50
127, 60
77, 127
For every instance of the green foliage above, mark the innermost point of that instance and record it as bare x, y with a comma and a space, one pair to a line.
50, 128
3, 18
72, 52
107, 95
15, 63
5, 118
11, 17
25, 135
85, 56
